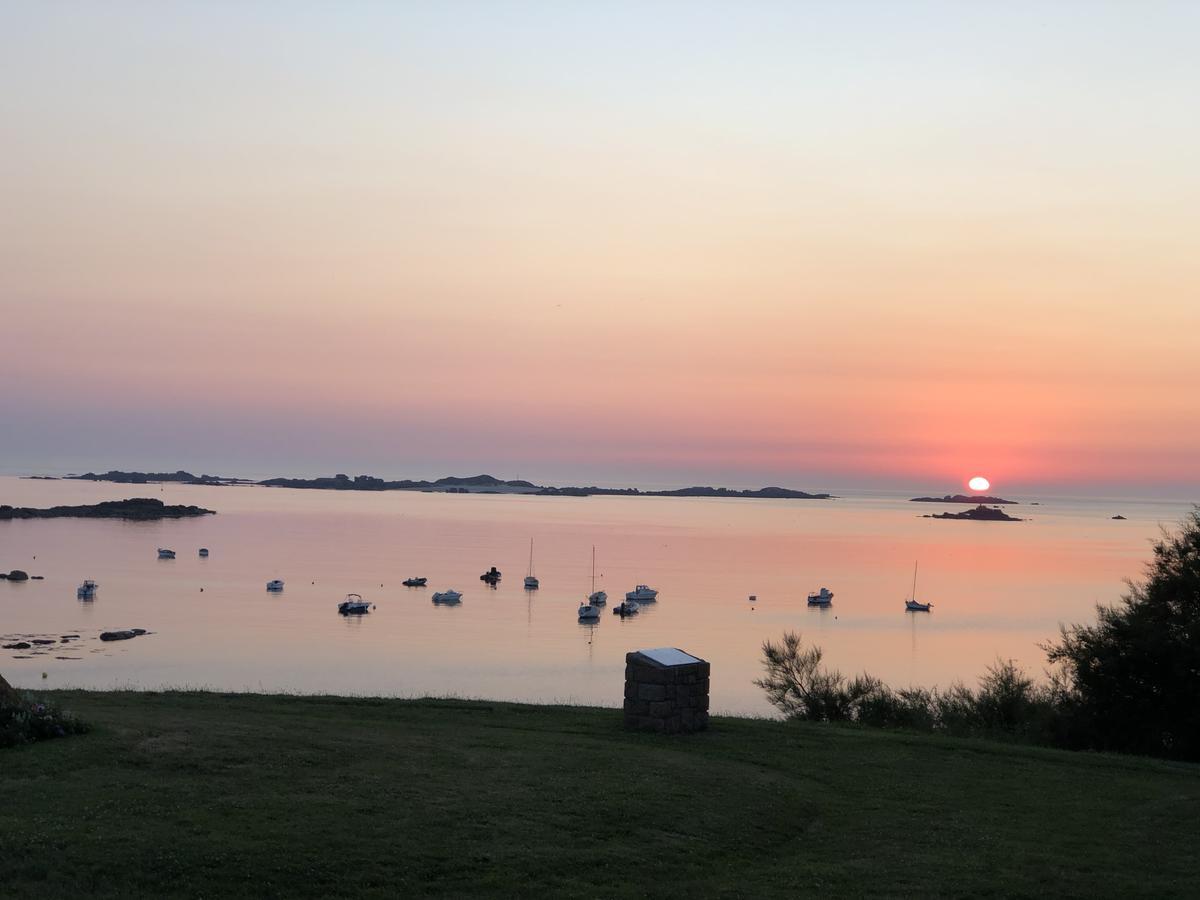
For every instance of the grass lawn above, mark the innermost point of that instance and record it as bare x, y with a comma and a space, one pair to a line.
211, 794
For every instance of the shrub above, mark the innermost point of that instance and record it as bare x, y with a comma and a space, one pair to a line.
1132, 680
24, 720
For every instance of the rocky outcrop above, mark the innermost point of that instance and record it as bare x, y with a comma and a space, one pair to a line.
123, 635
136, 508
16, 574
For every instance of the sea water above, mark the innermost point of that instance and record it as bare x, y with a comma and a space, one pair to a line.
998, 589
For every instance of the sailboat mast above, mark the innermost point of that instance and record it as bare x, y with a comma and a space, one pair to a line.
593, 568
531, 557
914, 590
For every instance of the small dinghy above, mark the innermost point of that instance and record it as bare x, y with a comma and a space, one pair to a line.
415, 582
87, 590
588, 612
163, 553
204, 551
491, 576
823, 597
354, 605
628, 608
275, 585
450, 596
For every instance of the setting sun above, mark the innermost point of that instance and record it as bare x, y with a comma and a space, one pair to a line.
979, 483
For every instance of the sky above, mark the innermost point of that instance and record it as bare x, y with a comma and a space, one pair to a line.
812, 244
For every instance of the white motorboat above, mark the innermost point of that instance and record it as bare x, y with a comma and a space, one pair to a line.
628, 608
643, 593
87, 590
531, 582
163, 553
588, 612
823, 597
596, 598
354, 605
450, 596
911, 604
275, 585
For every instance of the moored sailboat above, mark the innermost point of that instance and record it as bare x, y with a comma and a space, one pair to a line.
911, 604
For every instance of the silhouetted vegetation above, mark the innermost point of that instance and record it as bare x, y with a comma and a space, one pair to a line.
24, 719
1132, 681
1007, 703
1129, 683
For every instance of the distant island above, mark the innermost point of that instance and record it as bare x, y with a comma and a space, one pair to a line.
473, 484
451, 484
980, 513
180, 477
767, 493
138, 508
961, 498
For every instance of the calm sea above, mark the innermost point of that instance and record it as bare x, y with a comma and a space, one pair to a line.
998, 589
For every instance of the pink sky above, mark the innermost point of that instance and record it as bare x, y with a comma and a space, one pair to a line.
789, 247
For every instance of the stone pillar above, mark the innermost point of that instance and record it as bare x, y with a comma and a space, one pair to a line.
666, 690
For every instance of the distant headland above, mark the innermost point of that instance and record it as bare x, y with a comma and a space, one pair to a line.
980, 513
138, 508
474, 484
961, 498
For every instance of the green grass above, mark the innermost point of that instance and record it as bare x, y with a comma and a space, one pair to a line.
207, 794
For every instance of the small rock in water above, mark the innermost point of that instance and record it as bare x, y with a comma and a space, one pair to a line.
116, 635
18, 575
20, 645
37, 577
44, 641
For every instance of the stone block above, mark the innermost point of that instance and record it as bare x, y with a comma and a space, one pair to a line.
662, 709
652, 692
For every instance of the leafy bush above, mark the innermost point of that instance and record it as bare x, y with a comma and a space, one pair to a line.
1132, 680
24, 720
1007, 704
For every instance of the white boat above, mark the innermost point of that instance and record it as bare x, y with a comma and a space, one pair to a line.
596, 598
911, 605
415, 582
204, 551
354, 605
275, 585
628, 608
643, 593
823, 597
165, 554
588, 612
87, 590
531, 582
450, 596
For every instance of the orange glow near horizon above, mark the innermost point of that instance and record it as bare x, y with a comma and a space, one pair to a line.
469, 245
